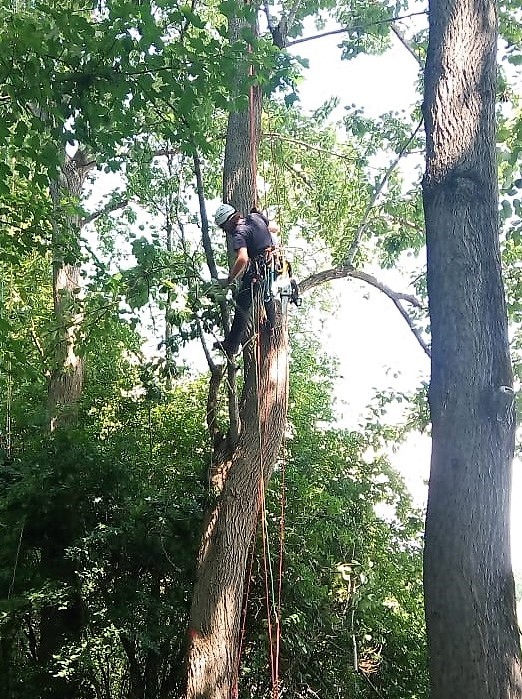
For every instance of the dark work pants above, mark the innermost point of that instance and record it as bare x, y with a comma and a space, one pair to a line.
243, 301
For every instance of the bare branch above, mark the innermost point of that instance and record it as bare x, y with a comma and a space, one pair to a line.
233, 402
308, 146
364, 222
327, 275
36, 342
401, 37
216, 375
298, 175
108, 209
207, 245
396, 295
344, 271
416, 332
357, 27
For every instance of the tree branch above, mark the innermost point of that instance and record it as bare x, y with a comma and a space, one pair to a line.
356, 27
292, 12
205, 236
271, 134
344, 271
364, 222
108, 209
233, 402
400, 36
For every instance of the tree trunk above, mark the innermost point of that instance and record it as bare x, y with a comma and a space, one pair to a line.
244, 465
61, 622
469, 593
242, 142
213, 660
66, 380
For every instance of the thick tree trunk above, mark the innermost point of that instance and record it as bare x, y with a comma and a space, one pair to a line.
61, 622
243, 470
469, 593
239, 180
242, 142
213, 660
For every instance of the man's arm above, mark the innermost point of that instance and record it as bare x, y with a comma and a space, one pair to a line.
239, 265
273, 227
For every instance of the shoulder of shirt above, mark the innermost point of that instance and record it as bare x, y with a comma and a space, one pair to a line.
258, 215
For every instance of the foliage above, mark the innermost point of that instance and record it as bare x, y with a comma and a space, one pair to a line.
125, 493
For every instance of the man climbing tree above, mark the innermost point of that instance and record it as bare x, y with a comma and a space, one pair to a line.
252, 244
469, 593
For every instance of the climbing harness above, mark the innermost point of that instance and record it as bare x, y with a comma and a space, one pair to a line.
284, 285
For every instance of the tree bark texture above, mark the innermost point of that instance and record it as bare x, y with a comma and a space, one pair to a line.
473, 640
242, 142
66, 380
213, 654
62, 623
242, 463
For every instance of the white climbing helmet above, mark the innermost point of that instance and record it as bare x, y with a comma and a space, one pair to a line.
223, 213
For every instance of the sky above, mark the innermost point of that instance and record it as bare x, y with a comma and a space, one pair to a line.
373, 343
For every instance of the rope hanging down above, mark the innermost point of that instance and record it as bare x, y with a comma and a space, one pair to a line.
287, 289
273, 589
273, 605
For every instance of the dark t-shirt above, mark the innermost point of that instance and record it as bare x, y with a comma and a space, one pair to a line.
252, 233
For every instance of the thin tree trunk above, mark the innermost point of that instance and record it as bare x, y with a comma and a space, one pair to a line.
473, 638
66, 380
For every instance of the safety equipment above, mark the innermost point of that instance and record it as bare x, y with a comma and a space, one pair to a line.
223, 213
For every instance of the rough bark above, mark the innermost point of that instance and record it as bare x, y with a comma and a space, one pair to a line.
213, 660
66, 380
242, 462
242, 142
62, 623
473, 638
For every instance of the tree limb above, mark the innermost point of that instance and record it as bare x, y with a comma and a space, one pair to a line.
233, 402
308, 146
400, 36
205, 236
356, 27
108, 209
344, 271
